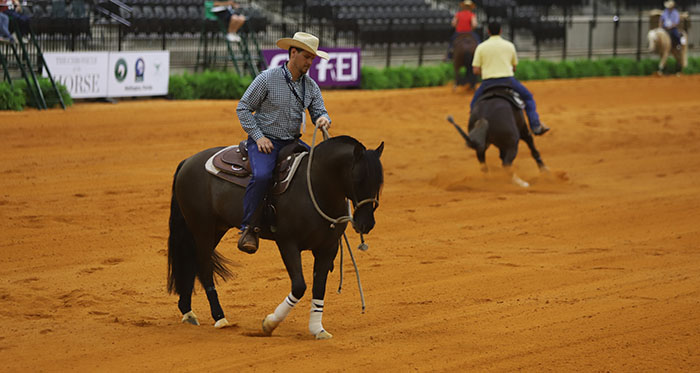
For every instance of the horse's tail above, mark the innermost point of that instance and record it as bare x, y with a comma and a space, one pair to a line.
181, 248
477, 136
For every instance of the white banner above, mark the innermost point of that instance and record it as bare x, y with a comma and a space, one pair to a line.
138, 73
111, 74
83, 73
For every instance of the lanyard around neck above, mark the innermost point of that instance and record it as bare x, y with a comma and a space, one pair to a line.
294, 91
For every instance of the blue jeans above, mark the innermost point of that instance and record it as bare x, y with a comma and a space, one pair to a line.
263, 166
22, 20
4, 26
675, 36
530, 106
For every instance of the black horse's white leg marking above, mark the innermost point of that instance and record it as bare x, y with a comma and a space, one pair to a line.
272, 320
315, 317
292, 261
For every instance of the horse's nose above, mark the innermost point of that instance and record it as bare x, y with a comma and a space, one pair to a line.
364, 227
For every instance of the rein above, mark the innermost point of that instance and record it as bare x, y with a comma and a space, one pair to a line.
342, 219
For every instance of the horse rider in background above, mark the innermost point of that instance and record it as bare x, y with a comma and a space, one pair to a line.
495, 59
272, 113
669, 20
463, 21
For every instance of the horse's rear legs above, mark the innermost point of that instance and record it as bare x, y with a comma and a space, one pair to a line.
205, 270
507, 157
530, 141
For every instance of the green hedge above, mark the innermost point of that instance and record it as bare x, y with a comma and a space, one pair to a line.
18, 97
11, 98
537, 70
226, 85
208, 85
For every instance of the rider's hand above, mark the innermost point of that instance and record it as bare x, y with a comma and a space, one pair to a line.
264, 145
323, 123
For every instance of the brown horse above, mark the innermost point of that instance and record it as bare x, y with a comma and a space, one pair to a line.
464, 47
660, 43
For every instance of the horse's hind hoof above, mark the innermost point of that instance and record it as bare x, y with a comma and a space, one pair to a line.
268, 325
222, 323
190, 318
324, 335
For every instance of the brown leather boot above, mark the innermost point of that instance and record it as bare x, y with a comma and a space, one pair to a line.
248, 243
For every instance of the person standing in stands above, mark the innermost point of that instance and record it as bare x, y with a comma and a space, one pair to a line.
229, 13
463, 21
272, 112
495, 59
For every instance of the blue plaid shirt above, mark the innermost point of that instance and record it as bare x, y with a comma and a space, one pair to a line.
270, 108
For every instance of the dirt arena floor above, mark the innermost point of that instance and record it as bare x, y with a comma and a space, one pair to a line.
595, 267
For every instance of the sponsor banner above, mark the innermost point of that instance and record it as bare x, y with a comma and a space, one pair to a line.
341, 70
111, 74
138, 74
83, 73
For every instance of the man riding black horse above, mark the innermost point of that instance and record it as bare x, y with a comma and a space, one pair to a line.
495, 59
272, 111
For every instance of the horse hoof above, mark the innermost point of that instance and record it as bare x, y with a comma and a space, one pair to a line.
222, 323
544, 168
190, 318
324, 335
520, 182
268, 325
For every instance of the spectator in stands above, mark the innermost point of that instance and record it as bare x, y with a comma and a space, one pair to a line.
463, 21
669, 20
272, 111
13, 9
495, 59
229, 13
4, 28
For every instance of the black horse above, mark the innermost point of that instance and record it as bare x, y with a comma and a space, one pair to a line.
464, 45
204, 208
498, 119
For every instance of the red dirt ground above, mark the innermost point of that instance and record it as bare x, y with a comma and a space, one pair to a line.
595, 267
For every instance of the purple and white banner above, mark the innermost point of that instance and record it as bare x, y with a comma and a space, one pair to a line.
341, 70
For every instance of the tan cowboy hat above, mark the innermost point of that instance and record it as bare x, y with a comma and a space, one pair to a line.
669, 4
467, 3
304, 41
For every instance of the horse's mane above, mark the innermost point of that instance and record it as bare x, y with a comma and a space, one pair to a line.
375, 173
342, 139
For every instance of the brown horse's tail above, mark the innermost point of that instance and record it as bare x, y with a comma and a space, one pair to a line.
181, 248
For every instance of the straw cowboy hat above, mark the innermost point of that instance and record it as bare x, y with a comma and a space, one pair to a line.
468, 3
669, 4
303, 41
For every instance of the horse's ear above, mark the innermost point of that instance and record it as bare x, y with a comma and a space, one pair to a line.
358, 152
380, 149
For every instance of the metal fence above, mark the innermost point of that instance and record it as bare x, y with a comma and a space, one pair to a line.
585, 37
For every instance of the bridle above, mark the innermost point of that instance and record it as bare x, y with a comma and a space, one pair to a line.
350, 217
